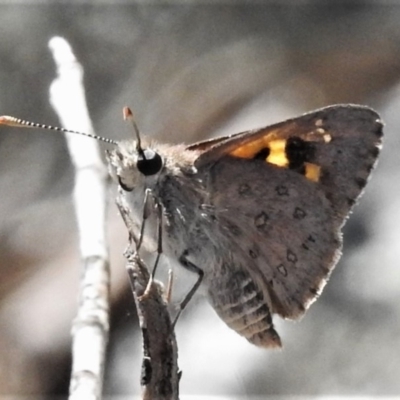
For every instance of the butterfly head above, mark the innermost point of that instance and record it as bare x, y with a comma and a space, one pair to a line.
132, 165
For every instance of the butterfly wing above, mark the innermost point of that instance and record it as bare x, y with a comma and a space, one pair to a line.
336, 147
281, 194
209, 143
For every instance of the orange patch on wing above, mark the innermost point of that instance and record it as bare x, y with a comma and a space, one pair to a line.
249, 150
276, 147
277, 153
313, 171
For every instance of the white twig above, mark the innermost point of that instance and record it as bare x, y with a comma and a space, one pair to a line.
91, 326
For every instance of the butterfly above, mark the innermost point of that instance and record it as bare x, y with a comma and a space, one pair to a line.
256, 215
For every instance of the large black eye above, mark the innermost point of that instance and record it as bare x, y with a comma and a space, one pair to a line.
149, 162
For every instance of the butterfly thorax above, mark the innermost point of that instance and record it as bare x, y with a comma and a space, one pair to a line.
178, 188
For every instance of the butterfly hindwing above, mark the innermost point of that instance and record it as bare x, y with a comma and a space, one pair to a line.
282, 229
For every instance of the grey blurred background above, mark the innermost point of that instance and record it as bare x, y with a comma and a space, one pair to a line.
191, 71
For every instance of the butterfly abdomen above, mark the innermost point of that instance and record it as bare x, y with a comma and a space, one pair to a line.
242, 306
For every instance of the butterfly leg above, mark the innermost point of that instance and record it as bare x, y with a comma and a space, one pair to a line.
145, 215
159, 238
125, 213
200, 274
159, 245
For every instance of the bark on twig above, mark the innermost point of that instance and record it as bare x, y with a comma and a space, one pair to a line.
91, 326
160, 374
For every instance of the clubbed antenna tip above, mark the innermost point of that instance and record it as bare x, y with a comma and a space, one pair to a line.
128, 116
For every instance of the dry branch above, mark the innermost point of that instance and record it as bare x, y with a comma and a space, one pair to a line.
91, 326
160, 374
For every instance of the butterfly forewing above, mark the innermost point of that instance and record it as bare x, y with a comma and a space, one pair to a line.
336, 147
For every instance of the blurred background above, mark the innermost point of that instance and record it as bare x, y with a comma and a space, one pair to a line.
192, 71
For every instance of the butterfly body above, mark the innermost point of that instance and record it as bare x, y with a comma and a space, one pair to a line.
259, 213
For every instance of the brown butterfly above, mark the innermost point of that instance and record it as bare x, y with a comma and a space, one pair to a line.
257, 215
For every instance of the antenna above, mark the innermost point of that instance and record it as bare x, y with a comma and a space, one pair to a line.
149, 162
20, 123
128, 116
